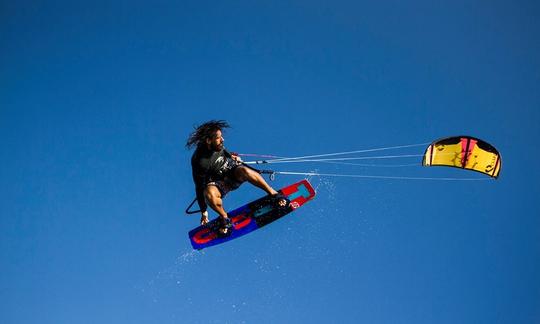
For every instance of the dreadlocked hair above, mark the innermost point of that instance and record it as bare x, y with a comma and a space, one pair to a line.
204, 132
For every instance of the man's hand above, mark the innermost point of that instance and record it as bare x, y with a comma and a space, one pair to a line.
204, 218
236, 157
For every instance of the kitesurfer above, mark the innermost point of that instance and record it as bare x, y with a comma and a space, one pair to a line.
217, 171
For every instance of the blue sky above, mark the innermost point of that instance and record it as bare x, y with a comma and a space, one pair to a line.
96, 102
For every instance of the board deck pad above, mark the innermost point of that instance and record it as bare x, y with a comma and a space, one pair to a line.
252, 216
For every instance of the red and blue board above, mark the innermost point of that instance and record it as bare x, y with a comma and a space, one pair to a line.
252, 216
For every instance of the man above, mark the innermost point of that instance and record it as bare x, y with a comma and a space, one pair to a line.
217, 172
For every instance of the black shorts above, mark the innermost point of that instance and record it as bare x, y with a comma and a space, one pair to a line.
227, 184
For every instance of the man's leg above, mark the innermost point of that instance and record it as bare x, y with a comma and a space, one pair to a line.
243, 173
213, 199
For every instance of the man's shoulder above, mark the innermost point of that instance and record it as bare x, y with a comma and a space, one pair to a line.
196, 156
200, 154
199, 151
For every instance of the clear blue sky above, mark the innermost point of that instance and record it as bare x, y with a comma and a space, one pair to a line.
96, 102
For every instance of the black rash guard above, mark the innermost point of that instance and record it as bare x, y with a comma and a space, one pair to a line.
208, 166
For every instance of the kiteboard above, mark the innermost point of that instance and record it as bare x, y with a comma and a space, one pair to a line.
253, 215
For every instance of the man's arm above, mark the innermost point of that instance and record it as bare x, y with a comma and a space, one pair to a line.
199, 190
199, 179
232, 155
200, 198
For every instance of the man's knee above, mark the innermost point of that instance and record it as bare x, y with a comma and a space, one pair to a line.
212, 193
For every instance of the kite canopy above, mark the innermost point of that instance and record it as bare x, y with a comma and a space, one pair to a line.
464, 152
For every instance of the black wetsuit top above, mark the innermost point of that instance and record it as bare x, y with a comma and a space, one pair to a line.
207, 166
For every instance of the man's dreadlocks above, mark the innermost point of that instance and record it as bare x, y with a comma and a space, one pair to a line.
204, 132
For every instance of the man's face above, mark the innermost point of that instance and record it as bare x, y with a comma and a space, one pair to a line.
216, 142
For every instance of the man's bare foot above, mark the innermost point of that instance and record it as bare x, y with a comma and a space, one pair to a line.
226, 224
282, 201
